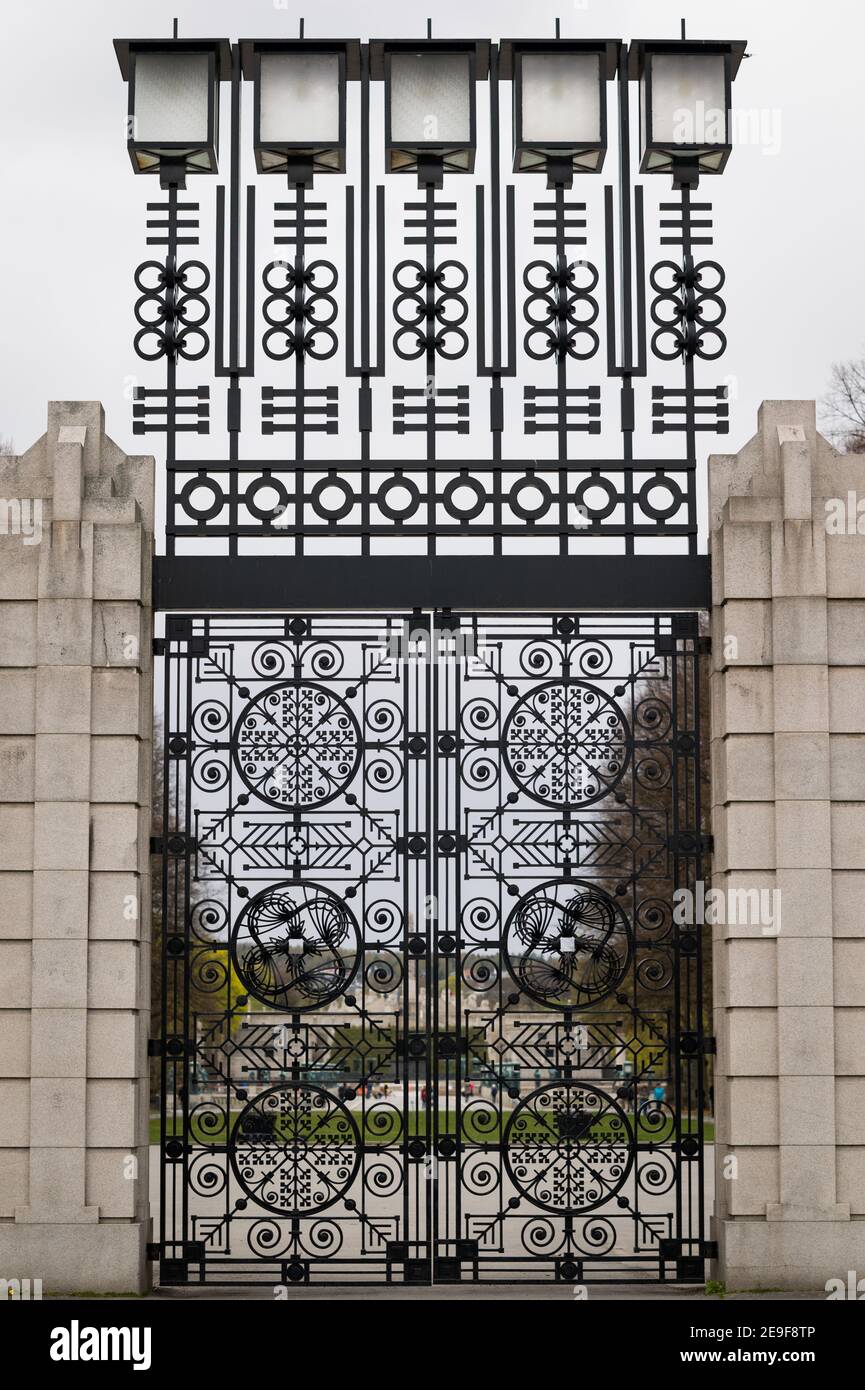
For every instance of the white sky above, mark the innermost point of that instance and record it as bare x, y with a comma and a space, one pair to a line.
788, 224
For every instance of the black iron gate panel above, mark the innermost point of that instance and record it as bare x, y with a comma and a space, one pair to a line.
570, 1115
295, 1011
426, 1012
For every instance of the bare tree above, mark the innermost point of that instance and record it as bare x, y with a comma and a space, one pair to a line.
7, 445
843, 406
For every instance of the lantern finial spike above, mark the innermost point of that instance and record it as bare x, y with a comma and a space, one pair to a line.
558, 28
684, 35
429, 28
300, 27
174, 35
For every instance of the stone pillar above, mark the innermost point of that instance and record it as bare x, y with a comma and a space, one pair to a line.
788, 775
75, 748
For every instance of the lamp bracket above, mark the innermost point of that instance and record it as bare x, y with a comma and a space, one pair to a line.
172, 173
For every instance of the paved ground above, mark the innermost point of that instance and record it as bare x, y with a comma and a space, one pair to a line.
548, 1293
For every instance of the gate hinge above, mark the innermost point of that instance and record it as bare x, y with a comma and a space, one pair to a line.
159, 646
153, 1250
177, 844
154, 1047
704, 646
710, 1047
709, 1249
688, 842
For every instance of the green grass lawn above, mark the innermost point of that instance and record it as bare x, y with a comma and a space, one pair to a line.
474, 1131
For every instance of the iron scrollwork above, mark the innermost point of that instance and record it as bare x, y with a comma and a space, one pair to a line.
371, 976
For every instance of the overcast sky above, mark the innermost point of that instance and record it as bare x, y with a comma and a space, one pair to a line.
789, 209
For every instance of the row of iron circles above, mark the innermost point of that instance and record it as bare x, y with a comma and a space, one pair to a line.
688, 310
295, 1150
303, 327
172, 310
530, 497
463, 497
436, 325
561, 310
399, 498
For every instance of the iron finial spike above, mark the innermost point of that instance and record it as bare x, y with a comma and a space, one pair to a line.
684, 35
558, 28
174, 35
429, 28
300, 27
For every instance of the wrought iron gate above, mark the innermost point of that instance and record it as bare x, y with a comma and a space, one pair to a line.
427, 1015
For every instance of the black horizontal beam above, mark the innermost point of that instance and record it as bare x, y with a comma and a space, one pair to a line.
524, 582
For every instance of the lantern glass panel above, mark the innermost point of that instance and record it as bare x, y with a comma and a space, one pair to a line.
172, 93
430, 98
688, 98
561, 98
299, 98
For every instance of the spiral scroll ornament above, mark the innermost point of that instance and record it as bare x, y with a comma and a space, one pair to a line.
566, 743
297, 744
296, 946
567, 943
295, 1149
568, 1147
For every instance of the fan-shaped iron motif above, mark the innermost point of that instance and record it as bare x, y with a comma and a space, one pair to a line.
295, 946
566, 743
297, 744
567, 943
568, 1147
295, 1149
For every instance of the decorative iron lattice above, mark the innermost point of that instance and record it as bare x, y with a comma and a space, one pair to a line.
405, 313
426, 1013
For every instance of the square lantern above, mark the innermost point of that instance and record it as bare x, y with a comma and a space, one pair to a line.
173, 120
299, 122
560, 104
429, 104
685, 103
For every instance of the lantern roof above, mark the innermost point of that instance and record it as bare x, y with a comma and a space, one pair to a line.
639, 47
508, 47
378, 48
221, 47
350, 47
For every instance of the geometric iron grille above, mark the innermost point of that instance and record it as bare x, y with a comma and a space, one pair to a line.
426, 1013
372, 491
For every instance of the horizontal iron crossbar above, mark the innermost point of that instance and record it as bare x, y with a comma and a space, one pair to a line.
496, 581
